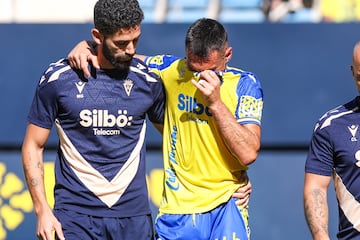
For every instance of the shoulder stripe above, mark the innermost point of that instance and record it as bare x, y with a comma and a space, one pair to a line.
327, 122
147, 76
56, 74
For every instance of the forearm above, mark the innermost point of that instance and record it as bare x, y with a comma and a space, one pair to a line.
241, 141
316, 213
34, 175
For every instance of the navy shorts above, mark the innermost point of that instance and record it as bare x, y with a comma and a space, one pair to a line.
227, 221
77, 226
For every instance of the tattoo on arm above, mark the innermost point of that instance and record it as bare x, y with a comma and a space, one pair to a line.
33, 180
316, 212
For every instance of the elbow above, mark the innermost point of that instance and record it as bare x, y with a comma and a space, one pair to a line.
251, 152
249, 160
249, 157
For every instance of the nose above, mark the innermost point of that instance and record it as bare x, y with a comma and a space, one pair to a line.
130, 49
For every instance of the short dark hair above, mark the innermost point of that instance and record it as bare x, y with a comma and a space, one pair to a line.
112, 15
204, 36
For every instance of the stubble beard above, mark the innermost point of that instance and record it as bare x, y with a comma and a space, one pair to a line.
122, 62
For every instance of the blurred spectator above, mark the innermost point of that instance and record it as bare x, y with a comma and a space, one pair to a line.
303, 11
275, 10
292, 10
340, 10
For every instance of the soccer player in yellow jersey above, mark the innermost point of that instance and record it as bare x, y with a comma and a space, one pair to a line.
211, 135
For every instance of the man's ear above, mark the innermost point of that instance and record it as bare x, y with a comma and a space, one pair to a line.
228, 54
97, 36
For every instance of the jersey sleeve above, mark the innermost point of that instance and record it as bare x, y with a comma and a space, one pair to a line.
320, 156
156, 111
250, 105
158, 63
44, 106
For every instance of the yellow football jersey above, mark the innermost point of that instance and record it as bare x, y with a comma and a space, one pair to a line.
200, 171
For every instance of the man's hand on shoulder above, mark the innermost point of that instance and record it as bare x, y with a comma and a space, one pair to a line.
80, 56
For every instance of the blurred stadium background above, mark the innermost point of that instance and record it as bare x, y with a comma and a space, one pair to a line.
300, 49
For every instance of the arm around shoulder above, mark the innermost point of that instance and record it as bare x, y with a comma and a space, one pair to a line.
83, 53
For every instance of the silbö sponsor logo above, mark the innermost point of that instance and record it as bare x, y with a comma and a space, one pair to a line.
196, 112
189, 104
104, 123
